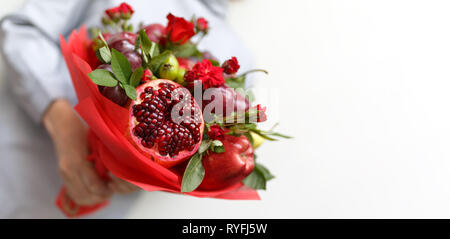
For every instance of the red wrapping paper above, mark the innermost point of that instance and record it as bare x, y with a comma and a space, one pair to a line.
110, 149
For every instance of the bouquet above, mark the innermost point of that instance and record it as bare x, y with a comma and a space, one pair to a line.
162, 114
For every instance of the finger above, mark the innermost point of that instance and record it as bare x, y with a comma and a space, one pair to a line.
74, 186
79, 193
93, 182
120, 186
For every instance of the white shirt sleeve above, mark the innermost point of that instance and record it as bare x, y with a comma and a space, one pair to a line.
29, 41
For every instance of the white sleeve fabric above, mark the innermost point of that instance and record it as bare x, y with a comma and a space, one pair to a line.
29, 42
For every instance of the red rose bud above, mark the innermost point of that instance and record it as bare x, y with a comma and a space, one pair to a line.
147, 76
125, 11
231, 66
113, 13
179, 30
261, 113
216, 133
206, 73
202, 25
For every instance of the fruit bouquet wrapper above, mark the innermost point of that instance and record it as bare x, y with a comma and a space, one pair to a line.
134, 91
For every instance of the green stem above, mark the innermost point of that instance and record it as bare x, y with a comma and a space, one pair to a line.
253, 71
201, 38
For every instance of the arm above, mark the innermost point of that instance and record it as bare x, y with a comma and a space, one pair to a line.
29, 43
41, 83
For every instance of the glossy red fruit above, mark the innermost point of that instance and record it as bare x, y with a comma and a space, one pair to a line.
134, 58
155, 32
230, 167
106, 36
185, 63
122, 41
116, 94
232, 101
166, 123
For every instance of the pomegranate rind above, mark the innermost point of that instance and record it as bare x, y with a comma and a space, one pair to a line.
152, 153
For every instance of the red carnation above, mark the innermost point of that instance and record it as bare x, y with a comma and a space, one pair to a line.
204, 71
216, 132
231, 66
179, 30
202, 25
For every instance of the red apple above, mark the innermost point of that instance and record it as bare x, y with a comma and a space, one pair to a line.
230, 167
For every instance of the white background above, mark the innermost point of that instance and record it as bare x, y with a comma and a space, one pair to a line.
364, 88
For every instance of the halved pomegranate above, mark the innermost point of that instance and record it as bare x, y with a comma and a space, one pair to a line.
166, 123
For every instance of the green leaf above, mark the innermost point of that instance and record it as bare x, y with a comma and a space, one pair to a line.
236, 82
104, 55
214, 63
120, 66
105, 44
146, 44
258, 178
193, 175
265, 136
216, 143
264, 171
218, 149
204, 146
103, 77
255, 180
157, 61
217, 146
185, 50
130, 91
149, 48
137, 43
154, 50
250, 126
136, 77
250, 138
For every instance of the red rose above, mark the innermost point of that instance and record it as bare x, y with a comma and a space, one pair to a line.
206, 73
231, 66
126, 10
202, 25
216, 133
179, 30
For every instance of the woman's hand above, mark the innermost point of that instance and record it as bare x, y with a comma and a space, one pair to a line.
120, 186
69, 136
